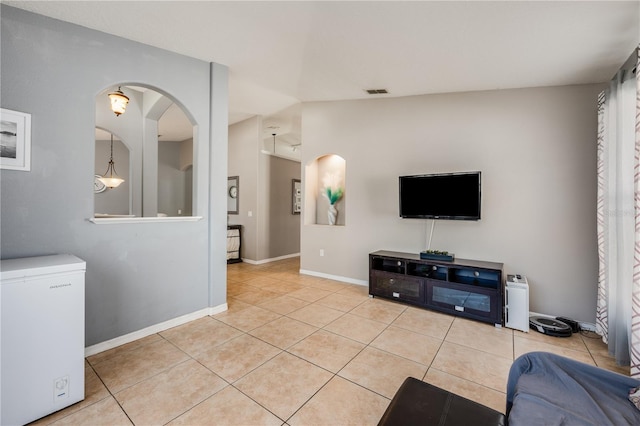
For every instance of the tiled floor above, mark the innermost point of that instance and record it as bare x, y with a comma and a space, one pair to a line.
302, 350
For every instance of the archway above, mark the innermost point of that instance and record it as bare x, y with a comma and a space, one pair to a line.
160, 136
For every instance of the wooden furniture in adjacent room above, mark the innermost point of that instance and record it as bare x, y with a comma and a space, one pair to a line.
233, 243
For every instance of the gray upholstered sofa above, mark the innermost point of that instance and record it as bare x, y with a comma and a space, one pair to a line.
542, 389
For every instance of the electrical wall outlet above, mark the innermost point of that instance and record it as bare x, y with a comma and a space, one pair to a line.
321, 252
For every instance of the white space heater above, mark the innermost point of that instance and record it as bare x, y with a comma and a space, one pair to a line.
42, 340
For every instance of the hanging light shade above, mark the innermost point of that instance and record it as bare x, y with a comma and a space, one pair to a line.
110, 178
274, 142
119, 102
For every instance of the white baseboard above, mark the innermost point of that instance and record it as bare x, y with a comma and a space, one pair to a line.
536, 314
273, 259
156, 328
218, 309
334, 277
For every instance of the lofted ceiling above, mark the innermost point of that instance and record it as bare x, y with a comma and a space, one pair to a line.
283, 53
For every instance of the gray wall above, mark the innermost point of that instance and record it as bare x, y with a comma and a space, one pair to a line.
113, 200
284, 226
128, 129
138, 274
243, 162
269, 230
536, 149
173, 184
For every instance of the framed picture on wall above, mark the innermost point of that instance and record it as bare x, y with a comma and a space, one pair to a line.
15, 140
296, 196
233, 192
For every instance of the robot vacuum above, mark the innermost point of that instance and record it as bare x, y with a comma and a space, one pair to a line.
550, 326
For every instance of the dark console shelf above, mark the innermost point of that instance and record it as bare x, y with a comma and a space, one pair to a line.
463, 287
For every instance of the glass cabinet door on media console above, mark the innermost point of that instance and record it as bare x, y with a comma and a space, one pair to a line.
391, 286
389, 280
468, 288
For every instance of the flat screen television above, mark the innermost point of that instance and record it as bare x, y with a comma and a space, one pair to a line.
449, 196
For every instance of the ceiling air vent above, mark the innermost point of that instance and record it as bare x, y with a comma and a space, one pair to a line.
377, 91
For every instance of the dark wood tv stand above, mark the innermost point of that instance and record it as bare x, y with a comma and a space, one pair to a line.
467, 288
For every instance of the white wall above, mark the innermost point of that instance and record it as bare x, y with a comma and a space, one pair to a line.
536, 150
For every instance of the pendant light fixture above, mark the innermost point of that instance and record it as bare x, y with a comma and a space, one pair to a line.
110, 177
274, 142
119, 102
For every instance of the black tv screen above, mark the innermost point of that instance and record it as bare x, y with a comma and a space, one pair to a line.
450, 196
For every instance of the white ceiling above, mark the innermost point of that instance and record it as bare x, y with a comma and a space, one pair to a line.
282, 53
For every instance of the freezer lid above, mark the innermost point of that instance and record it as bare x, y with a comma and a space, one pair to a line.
40, 265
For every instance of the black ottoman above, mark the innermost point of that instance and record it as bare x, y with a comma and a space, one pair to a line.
419, 403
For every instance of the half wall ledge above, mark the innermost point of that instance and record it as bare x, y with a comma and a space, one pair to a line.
115, 220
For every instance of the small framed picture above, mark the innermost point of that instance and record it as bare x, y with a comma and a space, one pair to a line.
296, 197
233, 188
15, 140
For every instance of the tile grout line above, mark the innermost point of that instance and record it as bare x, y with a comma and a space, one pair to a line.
371, 341
444, 338
229, 383
336, 374
276, 273
111, 394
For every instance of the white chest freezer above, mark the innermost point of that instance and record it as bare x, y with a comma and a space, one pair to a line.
42, 336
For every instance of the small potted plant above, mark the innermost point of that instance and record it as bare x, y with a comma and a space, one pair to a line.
333, 192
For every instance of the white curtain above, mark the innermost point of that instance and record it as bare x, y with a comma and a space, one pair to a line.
618, 217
